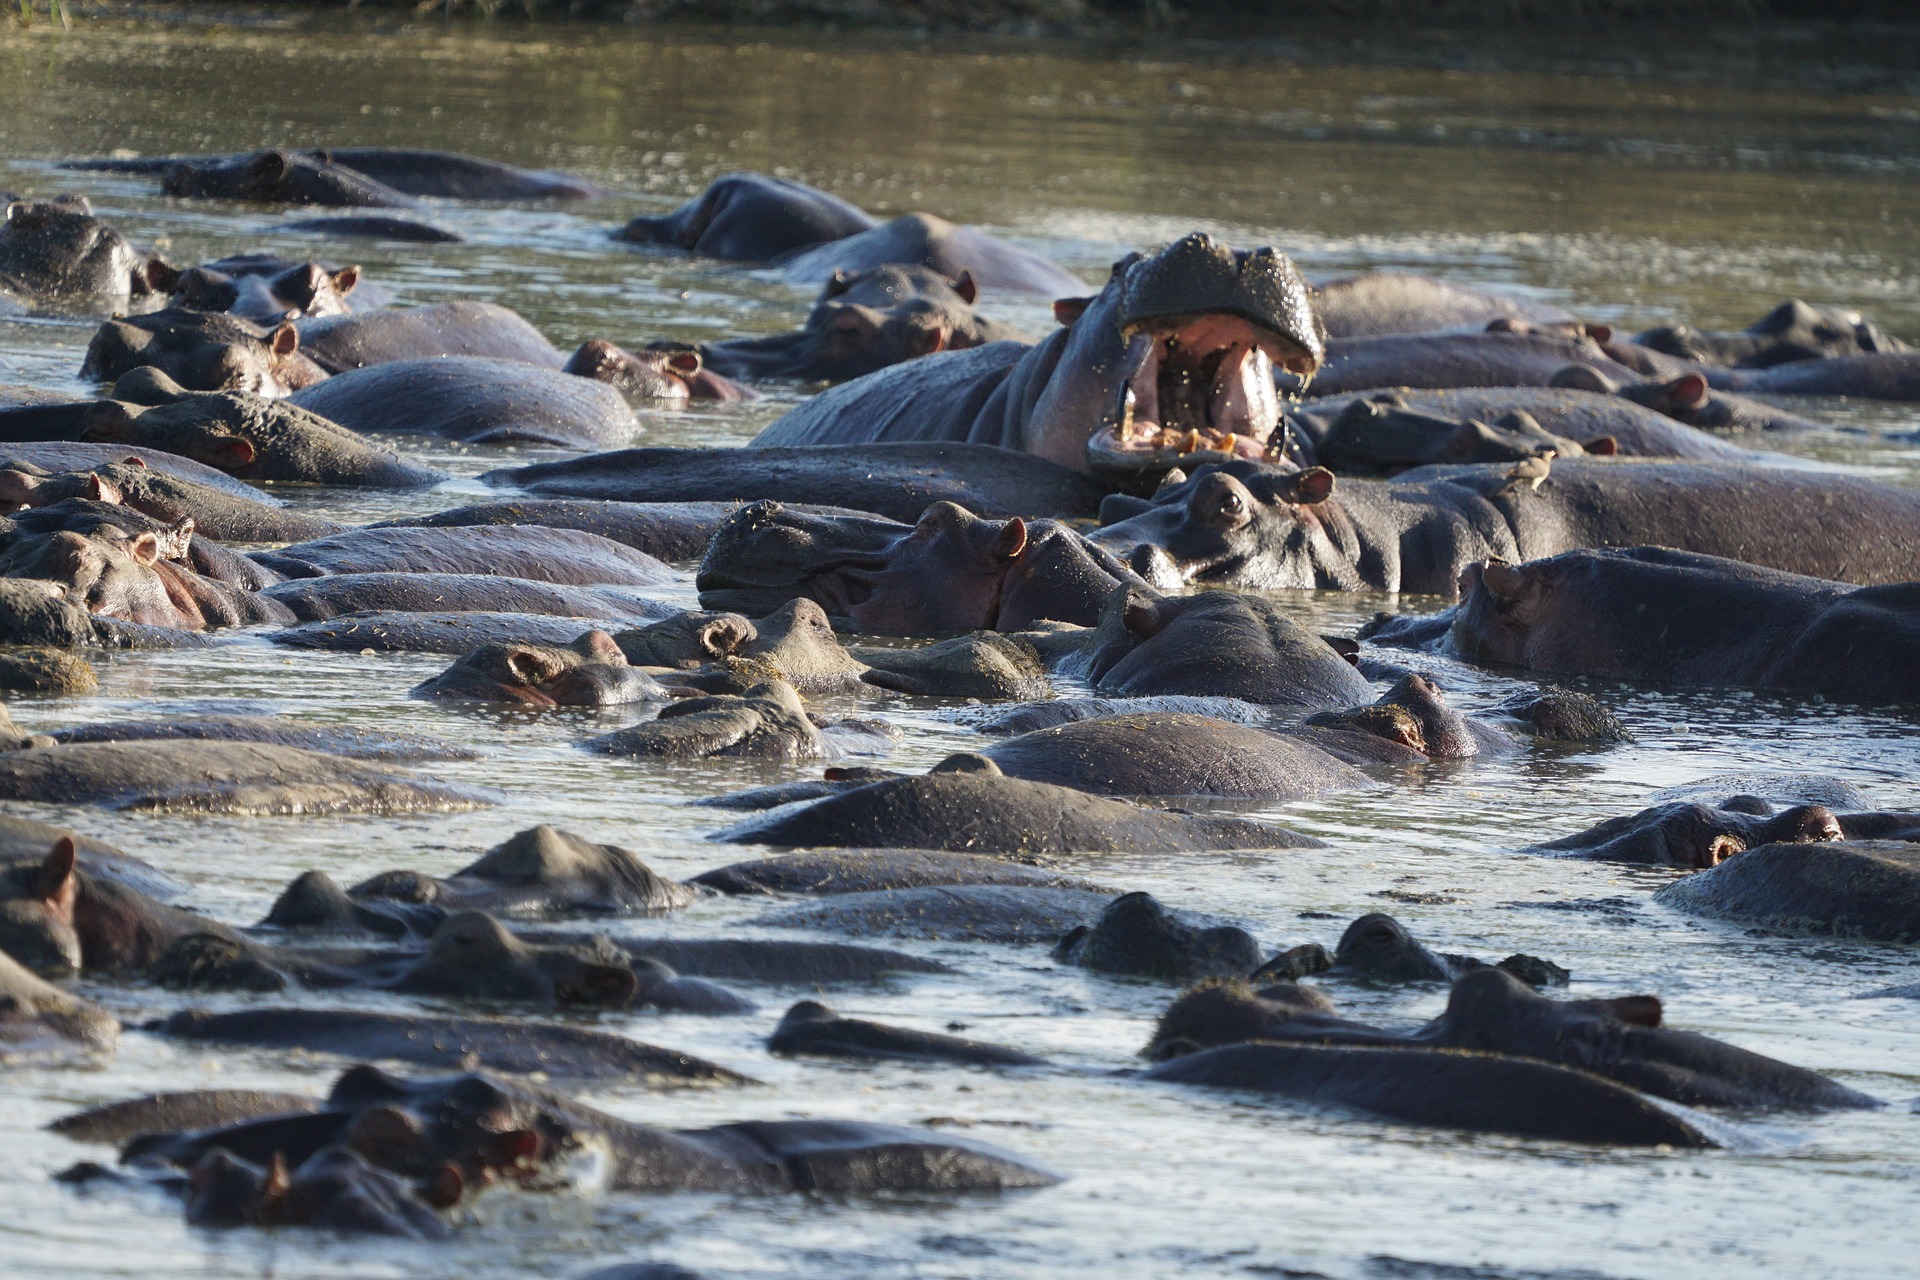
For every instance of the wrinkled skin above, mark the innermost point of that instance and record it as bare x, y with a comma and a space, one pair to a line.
1388, 302
768, 723
266, 289
591, 672
279, 177
475, 400
1163, 754
863, 321
1415, 714
896, 480
487, 1128
1136, 935
1240, 524
1722, 623
1793, 331
333, 1188
167, 498
811, 1029
1695, 835
55, 253
1179, 346
518, 1045
1215, 644
1859, 888
131, 578
532, 552
203, 351
983, 812
665, 371
750, 217
952, 571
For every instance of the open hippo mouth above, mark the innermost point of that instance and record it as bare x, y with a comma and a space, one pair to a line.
1205, 326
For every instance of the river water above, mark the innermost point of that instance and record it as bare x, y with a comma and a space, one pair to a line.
1704, 179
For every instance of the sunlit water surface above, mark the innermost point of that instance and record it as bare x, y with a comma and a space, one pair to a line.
1637, 186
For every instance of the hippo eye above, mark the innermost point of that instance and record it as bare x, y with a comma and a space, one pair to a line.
1231, 504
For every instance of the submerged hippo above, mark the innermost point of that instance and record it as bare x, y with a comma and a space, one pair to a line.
1860, 888
811, 1029
278, 177
267, 289
1180, 345
1685, 833
767, 722
952, 571
203, 351
1391, 302
39, 1022
590, 672
1241, 524
1793, 331
1881, 376
533, 553
159, 495
1722, 624
475, 401
1136, 935
55, 253
140, 575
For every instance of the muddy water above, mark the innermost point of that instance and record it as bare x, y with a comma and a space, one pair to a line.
1704, 182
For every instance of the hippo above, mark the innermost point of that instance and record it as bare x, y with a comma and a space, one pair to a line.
454, 634
1690, 397
136, 576
1169, 754
1214, 644
37, 613
41, 1023
1180, 344
448, 175
474, 401
896, 481
55, 253
1378, 303
869, 870
590, 672
518, 1046
334, 1188
46, 670
951, 571
981, 811
1232, 1011
1793, 331
486, 1128
203, 351
1013, 915
863, 321
811, 1029
195, 776
768, 722
1240, 524
539, 872
316, 599
176, 543
664, 530
1415, 714
1377, 948
349, 741
267, 289
246, 436
167, 498
1886, 375
116, 1122
373, 226
925, 240
480, 330
1723, 623
1136, 935
1856, 888
775, 961
533, 553
670, 371
1484, 359
1695, 834
60, 456
278, 177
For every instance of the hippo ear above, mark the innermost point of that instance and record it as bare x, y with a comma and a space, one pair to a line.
98, 490
274, 1187
144, 548
270, 166
345, 279
1508, 584
1580, 377
1141, 615
968, 288
1600, 333
1688, 391
1313, 486
1067, 310
284, 340
601, 647
56, 883
1011, 544
723, 635
1641, 1011
838, 283
442, 1188
233, 451
1346, 648
530, 666
1602, 446
157, 275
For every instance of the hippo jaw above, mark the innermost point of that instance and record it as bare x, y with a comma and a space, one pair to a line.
1205, 327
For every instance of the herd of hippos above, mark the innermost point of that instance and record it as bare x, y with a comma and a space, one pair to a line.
1205, 419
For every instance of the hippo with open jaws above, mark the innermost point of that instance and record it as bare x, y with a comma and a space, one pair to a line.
1792, 332
767, 722
216, 513
1179, 345
1857, 888
1241, 524
207, 776
813, 1030
350, 741
540, 872
41, 1024
895, 480
535, 553
488, 1128
474, 401
1137, 936
1172, 755
590, 672
863, 321
980, 811
869, 870
316, 599
454, 634
55, 253
268, 289
1723, 623
951, 571
137, 576
247, 437
1698, 835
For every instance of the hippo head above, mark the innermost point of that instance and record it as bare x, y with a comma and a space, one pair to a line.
1230, 1012
590, 672
334, 1187
37, 612
1384, 433
111, 572
485, 1129
266, 290
1136, 934
1198, 330
1414, 714
473, 956
203, 351
24, 485
57, 251
37, 901
671, 371
687, 639
1696, 835
1794, 330
194, 434
275, 177
868, 320
1242, 522
1379, 947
